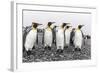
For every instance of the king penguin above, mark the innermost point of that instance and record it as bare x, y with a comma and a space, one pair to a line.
48, 36
72, 37
67, 36
60, 37
78, 38
31, 38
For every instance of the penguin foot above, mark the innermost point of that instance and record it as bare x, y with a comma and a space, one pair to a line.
33, 48
49, 48
45, 47
59, 51
77, 49
65, 47
29, 52
33, 53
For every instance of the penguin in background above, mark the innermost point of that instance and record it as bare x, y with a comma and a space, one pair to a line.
48, 36
68, 31
78, 38
31, 38
60, 37
54, 35
72, 37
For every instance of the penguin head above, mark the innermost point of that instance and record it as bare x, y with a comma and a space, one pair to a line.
55, 26
64, 24
80, 26
73, 29
50, 23
35, 25
67, 27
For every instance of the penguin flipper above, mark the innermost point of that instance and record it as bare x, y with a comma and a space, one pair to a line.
83, 38
64, 37
53, 36
43, 37
72, 37
37, 37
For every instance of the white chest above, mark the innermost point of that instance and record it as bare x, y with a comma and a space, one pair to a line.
59, 32
78, 39
67, 36
48, 37
78, 34
30, 39
60, 38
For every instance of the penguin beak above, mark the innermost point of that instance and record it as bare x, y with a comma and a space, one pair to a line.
39, 24
82, 25
67, 23
70, 26
56, 26
51, 22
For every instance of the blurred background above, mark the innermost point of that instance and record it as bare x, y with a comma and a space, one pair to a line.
59, 17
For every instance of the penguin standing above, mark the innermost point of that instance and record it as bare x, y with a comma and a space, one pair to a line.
67, 36
26, 30
54, 35
48, 36
60, 37
72, 37
31, 38
78, 38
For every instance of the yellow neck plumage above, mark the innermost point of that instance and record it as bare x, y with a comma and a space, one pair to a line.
62, 28
33, 28
49, 28
77, 29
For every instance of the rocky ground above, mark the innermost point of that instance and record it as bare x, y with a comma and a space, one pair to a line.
42, 55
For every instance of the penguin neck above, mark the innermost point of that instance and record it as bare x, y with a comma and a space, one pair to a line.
62, 27
68, 29
78, 29
33, 28
49, 28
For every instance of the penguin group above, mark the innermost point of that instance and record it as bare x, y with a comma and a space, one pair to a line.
61, 36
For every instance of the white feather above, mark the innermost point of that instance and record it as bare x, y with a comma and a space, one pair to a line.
30, 39
48, 37
60, 38
78, 39
67, 36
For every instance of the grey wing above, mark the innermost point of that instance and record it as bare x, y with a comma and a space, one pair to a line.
37, 36
64, 37
43, 37
72, 37
54, 35
83, 38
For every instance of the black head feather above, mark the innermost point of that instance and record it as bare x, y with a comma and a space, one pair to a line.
35, 25
64, 24
80, 26
50, 23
